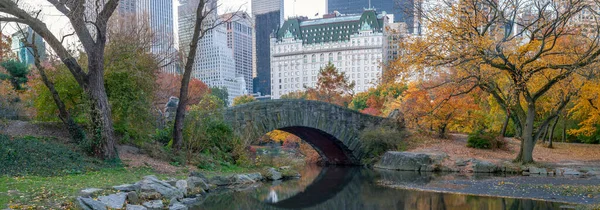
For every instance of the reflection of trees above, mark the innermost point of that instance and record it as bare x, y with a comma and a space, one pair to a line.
363, 193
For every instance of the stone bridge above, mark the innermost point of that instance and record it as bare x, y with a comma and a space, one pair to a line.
333, 131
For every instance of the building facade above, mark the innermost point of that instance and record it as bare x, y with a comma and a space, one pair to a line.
214, 63
159, 13
403, 10
268, 16
24, 53
239, 40
355, 44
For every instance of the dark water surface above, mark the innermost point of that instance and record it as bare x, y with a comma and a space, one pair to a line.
357, 188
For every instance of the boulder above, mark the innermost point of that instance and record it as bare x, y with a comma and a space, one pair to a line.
222, 180
196, 185
178, 206
191, 201
114, 201
243, 179
480, 166
127, 187
135, 207
536, 170
86, 193
90, 204
255, 176
132, 197
197, 174
153, 205
567, 172
149, 195
151, 183
182, 185
171, 181
410, 161
272, 174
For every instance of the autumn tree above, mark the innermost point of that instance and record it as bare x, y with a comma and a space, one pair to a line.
16, 73
90, 27
517, 51
332, 87
243, 99
206, 19
169, 85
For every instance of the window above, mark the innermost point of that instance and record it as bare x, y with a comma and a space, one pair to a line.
339, 56
322, 58
305, 59
330, 57
314, 58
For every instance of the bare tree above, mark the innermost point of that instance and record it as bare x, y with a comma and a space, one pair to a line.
206, 20
89, 20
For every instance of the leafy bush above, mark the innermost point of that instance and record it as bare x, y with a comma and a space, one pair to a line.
377, 141
41, 157
483, 140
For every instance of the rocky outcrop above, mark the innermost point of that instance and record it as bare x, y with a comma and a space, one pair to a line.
114, 201
272, 174
90, 204
409, 161
151, 183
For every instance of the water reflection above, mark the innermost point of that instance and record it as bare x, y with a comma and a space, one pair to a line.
356, 188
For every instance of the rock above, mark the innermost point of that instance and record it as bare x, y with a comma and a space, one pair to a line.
284, 167
171, 181
178, 206
480, 166
90, 204
127, 187
198, 174
153, 204
243, 179
196, 185
461, 162
132, 197
135, 207
567, 172
593, 173
86, 193
114, 201
182, 185
272, 174
525, 173
190, 201
150, 196
409, 161
536, 170
151, 183
255, 176
222, 180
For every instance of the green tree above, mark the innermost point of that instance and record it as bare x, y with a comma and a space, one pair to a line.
221, 93
17, 73
244, 99
332, 87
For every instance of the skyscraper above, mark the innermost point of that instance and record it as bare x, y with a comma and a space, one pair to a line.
268, 15
403, 10
214, 63
239, 40
159, 13
24, 53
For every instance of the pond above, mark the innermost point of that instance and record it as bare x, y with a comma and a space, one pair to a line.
357, 188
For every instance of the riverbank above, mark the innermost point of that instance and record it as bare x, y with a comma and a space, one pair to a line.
571, 190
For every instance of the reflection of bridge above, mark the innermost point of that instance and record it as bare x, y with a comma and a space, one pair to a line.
333, 131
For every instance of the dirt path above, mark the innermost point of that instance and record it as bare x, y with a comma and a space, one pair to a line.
563, 154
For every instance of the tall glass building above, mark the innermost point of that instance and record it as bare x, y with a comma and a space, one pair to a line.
403, 10
268, 16
23, 52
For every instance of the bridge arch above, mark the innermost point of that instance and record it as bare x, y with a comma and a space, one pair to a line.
333, 131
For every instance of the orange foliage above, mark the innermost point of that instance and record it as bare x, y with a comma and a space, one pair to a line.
169, 85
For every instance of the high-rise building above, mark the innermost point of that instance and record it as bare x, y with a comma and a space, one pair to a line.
159, 13
24, 53
214, 63
239, 40
268, 16
403, 10
355, 44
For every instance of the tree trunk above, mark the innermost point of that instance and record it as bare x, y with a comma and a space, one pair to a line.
75, 131
564, 128
526, 152
185, 80
505, 126
552, 132
103, 144
545, 134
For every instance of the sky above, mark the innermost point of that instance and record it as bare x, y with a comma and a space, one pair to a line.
291, 7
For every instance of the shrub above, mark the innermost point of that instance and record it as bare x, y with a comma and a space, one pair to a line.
41, 157
377, 141
483, 140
